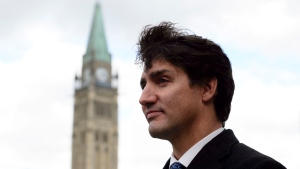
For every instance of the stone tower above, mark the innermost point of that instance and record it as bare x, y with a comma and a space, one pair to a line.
95, 128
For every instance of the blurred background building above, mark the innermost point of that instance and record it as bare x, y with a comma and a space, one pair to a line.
95, 128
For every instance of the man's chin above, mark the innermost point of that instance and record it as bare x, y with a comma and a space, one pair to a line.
157, 132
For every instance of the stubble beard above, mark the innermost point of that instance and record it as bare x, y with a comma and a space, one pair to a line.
161, 131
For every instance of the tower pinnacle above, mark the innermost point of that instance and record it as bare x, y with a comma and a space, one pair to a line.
97, 46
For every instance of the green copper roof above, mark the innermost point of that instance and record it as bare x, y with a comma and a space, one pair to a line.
97, 47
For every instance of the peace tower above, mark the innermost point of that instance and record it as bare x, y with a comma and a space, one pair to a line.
95, 127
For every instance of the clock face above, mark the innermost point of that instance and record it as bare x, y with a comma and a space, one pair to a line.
102, 74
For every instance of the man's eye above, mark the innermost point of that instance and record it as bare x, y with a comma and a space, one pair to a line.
142, 84
161, 80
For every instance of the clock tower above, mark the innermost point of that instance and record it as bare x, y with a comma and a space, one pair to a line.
95, 127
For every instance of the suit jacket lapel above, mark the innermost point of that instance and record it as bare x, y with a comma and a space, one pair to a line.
218, 148
167, 165
209, 156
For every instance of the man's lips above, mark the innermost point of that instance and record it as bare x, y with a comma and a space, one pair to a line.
153, 113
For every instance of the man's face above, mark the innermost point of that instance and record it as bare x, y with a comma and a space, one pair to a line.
171, 106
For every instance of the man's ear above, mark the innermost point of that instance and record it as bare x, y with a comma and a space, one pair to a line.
209, 89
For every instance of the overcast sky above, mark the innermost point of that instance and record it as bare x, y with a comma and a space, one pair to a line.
41, 48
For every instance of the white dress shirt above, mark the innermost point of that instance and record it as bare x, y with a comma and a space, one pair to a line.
188, 156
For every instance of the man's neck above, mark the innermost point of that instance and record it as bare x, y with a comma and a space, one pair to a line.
187, 139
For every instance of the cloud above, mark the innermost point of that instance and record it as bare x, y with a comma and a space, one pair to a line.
36, 117
266, 26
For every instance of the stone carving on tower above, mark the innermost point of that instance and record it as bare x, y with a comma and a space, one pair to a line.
95, 127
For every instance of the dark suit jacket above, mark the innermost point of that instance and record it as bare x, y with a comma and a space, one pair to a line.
224, 151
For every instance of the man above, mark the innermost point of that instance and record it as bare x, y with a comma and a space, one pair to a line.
187, 91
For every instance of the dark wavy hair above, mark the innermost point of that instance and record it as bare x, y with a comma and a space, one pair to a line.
201, 59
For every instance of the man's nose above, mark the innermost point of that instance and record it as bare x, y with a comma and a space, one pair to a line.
148, 96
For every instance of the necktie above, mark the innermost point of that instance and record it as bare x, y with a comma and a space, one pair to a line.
177, 165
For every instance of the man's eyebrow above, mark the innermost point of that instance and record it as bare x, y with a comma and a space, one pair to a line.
157, 73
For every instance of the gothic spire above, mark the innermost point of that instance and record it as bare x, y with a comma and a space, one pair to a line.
97, 47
